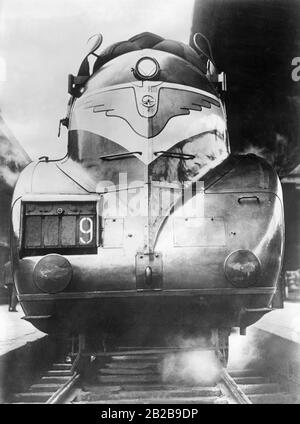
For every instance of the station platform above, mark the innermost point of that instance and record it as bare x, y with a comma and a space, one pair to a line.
271, 343
284, 323
15, 332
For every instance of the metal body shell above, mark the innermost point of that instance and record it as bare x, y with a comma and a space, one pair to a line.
147, 268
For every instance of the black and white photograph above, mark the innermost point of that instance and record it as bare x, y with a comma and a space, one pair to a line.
150, 205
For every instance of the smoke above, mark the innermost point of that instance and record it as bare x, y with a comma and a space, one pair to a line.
12, 159
8, 176
9, 152
246, 351
258, 151
284, 157
200, 367
242, 350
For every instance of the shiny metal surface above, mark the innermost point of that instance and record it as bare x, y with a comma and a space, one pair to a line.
171, 205
52, 273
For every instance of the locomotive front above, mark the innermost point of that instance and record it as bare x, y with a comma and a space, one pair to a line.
148, 221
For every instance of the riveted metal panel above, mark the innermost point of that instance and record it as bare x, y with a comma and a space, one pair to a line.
50, 229
198, 232
56, 208
113, 232
33, 231
68, 235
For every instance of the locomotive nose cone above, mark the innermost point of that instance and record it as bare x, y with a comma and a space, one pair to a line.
52, 273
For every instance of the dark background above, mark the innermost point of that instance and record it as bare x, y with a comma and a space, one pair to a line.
254, 42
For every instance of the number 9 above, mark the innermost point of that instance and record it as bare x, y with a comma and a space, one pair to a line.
88, 231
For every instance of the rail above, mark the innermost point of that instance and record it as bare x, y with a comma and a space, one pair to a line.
234, 388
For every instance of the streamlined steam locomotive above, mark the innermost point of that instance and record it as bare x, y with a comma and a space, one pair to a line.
149, 225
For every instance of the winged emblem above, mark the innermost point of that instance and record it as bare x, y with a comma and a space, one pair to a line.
148, 113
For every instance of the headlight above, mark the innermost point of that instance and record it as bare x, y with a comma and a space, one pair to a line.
59, 227
242, 268
146, 68
52, 273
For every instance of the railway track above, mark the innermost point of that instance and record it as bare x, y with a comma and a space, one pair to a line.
52, 387
132, 377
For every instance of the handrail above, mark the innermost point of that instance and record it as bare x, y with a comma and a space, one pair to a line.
119, 155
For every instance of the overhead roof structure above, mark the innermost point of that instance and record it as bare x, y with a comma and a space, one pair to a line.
293, 177
255, 42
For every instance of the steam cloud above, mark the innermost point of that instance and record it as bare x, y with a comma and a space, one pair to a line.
244, 351
284, 157
12, 157
202, 367
195, 367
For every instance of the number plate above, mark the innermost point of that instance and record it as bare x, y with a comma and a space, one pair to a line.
59, 226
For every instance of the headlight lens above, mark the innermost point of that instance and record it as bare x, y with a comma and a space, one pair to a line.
242, 268
146, 68
52, 273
